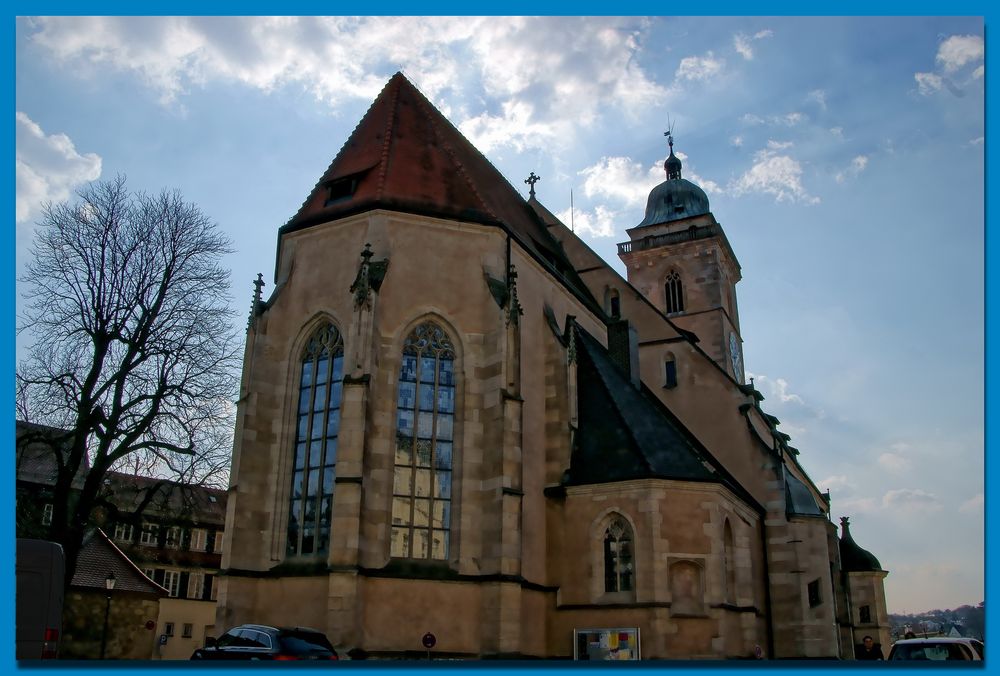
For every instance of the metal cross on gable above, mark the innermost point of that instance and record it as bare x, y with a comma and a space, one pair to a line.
531, 181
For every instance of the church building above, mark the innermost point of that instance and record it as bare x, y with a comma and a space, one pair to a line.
456, 419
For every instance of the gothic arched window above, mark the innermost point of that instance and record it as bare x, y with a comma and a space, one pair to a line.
425, 420
674, 293
618, 557
310, 506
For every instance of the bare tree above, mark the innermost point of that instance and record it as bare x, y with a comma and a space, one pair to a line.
133, 351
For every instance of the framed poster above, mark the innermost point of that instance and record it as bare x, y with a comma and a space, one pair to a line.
620, 643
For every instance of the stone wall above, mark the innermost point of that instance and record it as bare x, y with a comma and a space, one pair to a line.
127, 637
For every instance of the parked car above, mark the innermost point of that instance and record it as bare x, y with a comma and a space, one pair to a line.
937, 648
262, 642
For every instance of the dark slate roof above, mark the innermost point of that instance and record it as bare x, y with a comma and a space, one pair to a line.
173, 500
37, 447
673, 200
627, 433
98, 557
404, 155
852, 557
799, 500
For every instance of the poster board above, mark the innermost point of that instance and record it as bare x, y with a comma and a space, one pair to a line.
618, 643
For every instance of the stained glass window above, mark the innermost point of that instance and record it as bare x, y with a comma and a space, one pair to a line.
618, 556
425, 420
317, 426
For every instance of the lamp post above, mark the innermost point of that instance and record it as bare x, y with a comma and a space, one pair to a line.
109, 584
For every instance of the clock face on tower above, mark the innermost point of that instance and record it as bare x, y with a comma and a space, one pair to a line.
734, 354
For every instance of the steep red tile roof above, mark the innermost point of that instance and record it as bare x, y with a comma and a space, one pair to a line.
404, 155
99, 557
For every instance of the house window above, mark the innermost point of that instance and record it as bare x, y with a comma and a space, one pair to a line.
669, 371
123, 532
47, 514
814, 597
173, 537
618, 556
188, 630
168, 628
425, 415
198, 538
148, 572
172, 582
674, 293
149, 535
217, 542
214, 593
196, 585
614, 306
318, 425
866, 614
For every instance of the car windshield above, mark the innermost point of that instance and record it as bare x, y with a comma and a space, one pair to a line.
302, 642
929, 651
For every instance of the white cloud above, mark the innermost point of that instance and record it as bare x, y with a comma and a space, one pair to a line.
779, 145
699, 67
736, 141
774, 174
818, 96
856, 505
513, 128
928, 83
340, 58
741, 43
786, 120
959, 50
48, 168
706, 184
836, 482
858, 164
973, 505
621, 179
910, 500
893, 463
978, 141
978, 73
837, 131
601, 222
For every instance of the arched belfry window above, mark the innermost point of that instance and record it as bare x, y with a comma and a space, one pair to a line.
310, 507
674, 293
425, 420
618, 556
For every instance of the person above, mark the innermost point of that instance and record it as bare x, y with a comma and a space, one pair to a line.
870, 651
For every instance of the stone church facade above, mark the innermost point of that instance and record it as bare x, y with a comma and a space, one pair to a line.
456, 418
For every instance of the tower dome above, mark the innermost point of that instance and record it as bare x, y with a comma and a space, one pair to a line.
854, 559
675, 198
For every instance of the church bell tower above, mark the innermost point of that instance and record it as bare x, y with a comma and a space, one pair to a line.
680, 259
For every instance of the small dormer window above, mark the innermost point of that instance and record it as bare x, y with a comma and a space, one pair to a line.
341, 188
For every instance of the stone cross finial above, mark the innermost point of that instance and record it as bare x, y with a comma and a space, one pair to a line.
257, 286
531, 181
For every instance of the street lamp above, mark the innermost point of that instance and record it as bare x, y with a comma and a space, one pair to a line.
109, 584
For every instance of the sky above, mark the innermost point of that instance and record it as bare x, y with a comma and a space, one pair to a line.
844, 157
